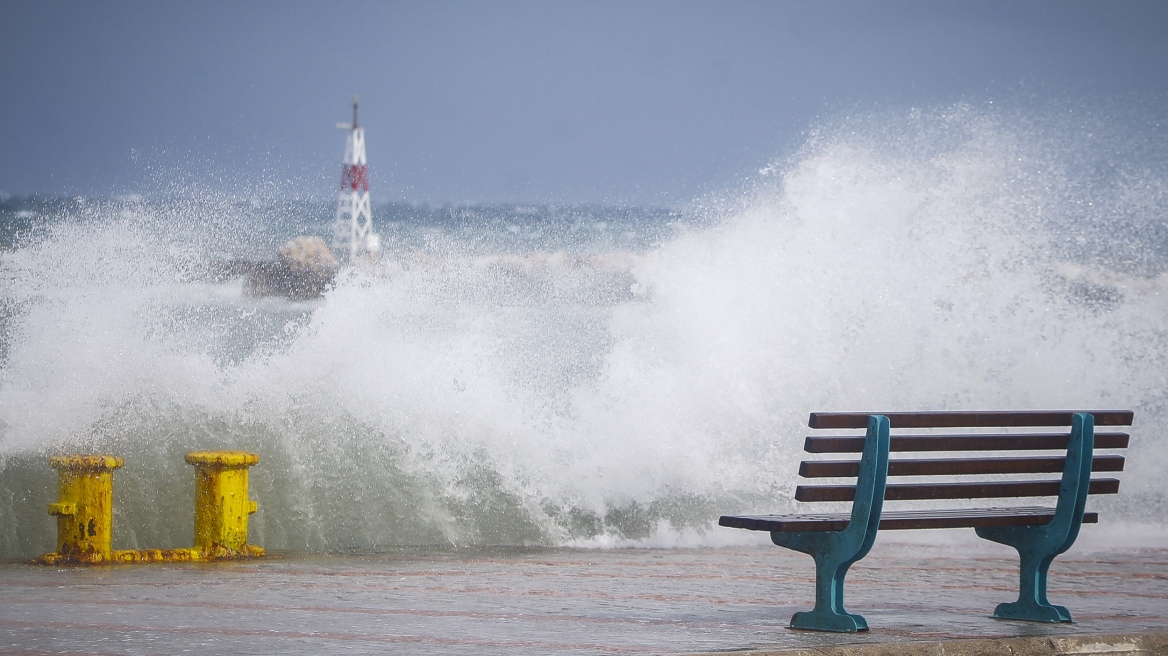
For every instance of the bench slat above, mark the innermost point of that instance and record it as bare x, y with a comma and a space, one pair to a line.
904, 443
903, 519
970, 490
956, 466
969, 419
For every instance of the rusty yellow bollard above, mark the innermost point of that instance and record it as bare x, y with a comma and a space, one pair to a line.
221, 504
84, 509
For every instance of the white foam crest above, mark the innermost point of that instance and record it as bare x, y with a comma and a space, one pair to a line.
88, 338
871, 277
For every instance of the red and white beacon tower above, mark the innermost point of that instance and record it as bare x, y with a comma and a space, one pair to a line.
354, 225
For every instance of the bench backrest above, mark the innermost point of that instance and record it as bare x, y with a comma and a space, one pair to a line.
971, 449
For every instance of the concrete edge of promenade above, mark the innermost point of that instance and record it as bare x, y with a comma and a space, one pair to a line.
1138, 644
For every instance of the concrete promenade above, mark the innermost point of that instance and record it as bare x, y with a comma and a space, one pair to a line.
937, 596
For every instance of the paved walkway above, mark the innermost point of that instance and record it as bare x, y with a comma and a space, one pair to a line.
537, 601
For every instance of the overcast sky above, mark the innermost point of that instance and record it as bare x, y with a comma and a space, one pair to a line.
620, 102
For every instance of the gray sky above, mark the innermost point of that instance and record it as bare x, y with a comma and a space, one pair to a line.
624, 102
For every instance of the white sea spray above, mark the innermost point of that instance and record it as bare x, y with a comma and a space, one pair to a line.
555, 376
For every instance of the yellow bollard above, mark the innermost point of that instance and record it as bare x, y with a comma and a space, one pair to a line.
221, 504
84, 509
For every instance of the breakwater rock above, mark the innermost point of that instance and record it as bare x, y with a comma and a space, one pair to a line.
303, 269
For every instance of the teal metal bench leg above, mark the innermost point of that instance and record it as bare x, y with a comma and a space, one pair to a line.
835, 551
1038, 545
829, 613
1032, 603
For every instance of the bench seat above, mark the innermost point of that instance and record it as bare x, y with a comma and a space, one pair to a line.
891, 520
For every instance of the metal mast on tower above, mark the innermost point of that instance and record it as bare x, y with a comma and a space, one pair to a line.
354, 225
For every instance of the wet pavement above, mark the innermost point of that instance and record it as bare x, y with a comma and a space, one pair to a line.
571, 601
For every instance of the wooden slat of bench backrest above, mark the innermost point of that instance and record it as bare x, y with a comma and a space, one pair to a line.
948, 488
969, 419
971, 490
956, 466
983, 442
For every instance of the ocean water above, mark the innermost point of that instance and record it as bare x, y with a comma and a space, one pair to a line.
589, 375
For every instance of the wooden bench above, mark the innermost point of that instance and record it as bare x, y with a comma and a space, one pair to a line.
836, 541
